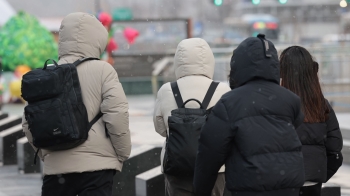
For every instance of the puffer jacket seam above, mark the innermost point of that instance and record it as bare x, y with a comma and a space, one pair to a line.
222, 101
102, 82
313, 145
181, 64
79, 30
81, 42
271, 153
260, 116
201, 54
329, 151
266, 190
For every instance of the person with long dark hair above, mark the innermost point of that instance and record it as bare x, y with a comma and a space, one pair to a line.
320, 134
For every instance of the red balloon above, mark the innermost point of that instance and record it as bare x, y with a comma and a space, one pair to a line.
105, 19
130, 34
112, 45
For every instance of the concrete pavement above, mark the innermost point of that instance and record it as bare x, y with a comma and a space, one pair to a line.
142, 132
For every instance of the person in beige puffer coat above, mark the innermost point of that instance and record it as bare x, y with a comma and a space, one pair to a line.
89, 168
194, 69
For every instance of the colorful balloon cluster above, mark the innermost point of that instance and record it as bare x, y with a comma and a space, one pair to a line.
130, 34
106, 21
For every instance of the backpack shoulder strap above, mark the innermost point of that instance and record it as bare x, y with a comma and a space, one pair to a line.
79, 61
209, 94
76, 86
94, 120
177, 94
75, 78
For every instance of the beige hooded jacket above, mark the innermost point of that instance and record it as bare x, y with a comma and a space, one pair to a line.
194, 70
82, 35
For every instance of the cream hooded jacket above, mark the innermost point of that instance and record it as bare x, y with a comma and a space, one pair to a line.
82, 35
194, 69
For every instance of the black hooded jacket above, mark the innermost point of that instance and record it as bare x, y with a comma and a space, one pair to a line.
252, 130
322, 144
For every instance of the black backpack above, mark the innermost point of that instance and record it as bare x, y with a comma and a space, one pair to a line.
184, 130
55, 113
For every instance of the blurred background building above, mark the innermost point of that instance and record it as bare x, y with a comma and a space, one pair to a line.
323, 26
297, 20
146, 34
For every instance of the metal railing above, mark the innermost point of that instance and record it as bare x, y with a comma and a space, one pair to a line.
158, 68
334, 71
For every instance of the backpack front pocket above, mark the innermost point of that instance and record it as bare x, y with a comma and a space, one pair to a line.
45, 121
42, 84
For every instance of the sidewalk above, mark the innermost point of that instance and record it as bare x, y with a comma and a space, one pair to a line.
14, 184
142, 132
342, 178
141, 120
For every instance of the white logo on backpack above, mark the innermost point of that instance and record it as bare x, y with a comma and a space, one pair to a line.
56, 131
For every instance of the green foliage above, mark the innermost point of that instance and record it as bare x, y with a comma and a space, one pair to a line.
23, 41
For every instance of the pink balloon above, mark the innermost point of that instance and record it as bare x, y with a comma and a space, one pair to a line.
105, 19
130, 34
112, 45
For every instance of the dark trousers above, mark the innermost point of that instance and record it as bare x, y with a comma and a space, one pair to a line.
81, 184
180, 186
314, 190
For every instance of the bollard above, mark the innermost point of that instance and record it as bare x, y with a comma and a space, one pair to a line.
330, 190
9, 122
150, 183
3, 115
8, 147
141, 159
25, 157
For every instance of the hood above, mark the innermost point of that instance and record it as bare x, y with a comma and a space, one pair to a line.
194, 57
255, 58
82, 35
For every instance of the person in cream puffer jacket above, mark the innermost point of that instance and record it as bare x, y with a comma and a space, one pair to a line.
88, 169
194, 69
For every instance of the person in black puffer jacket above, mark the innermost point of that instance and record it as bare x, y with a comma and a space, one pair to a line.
252, 129
320, 134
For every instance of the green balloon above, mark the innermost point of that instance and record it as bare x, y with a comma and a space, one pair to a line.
24, 41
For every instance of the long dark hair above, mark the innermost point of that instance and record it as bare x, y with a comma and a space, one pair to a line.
231, 81
299, 74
